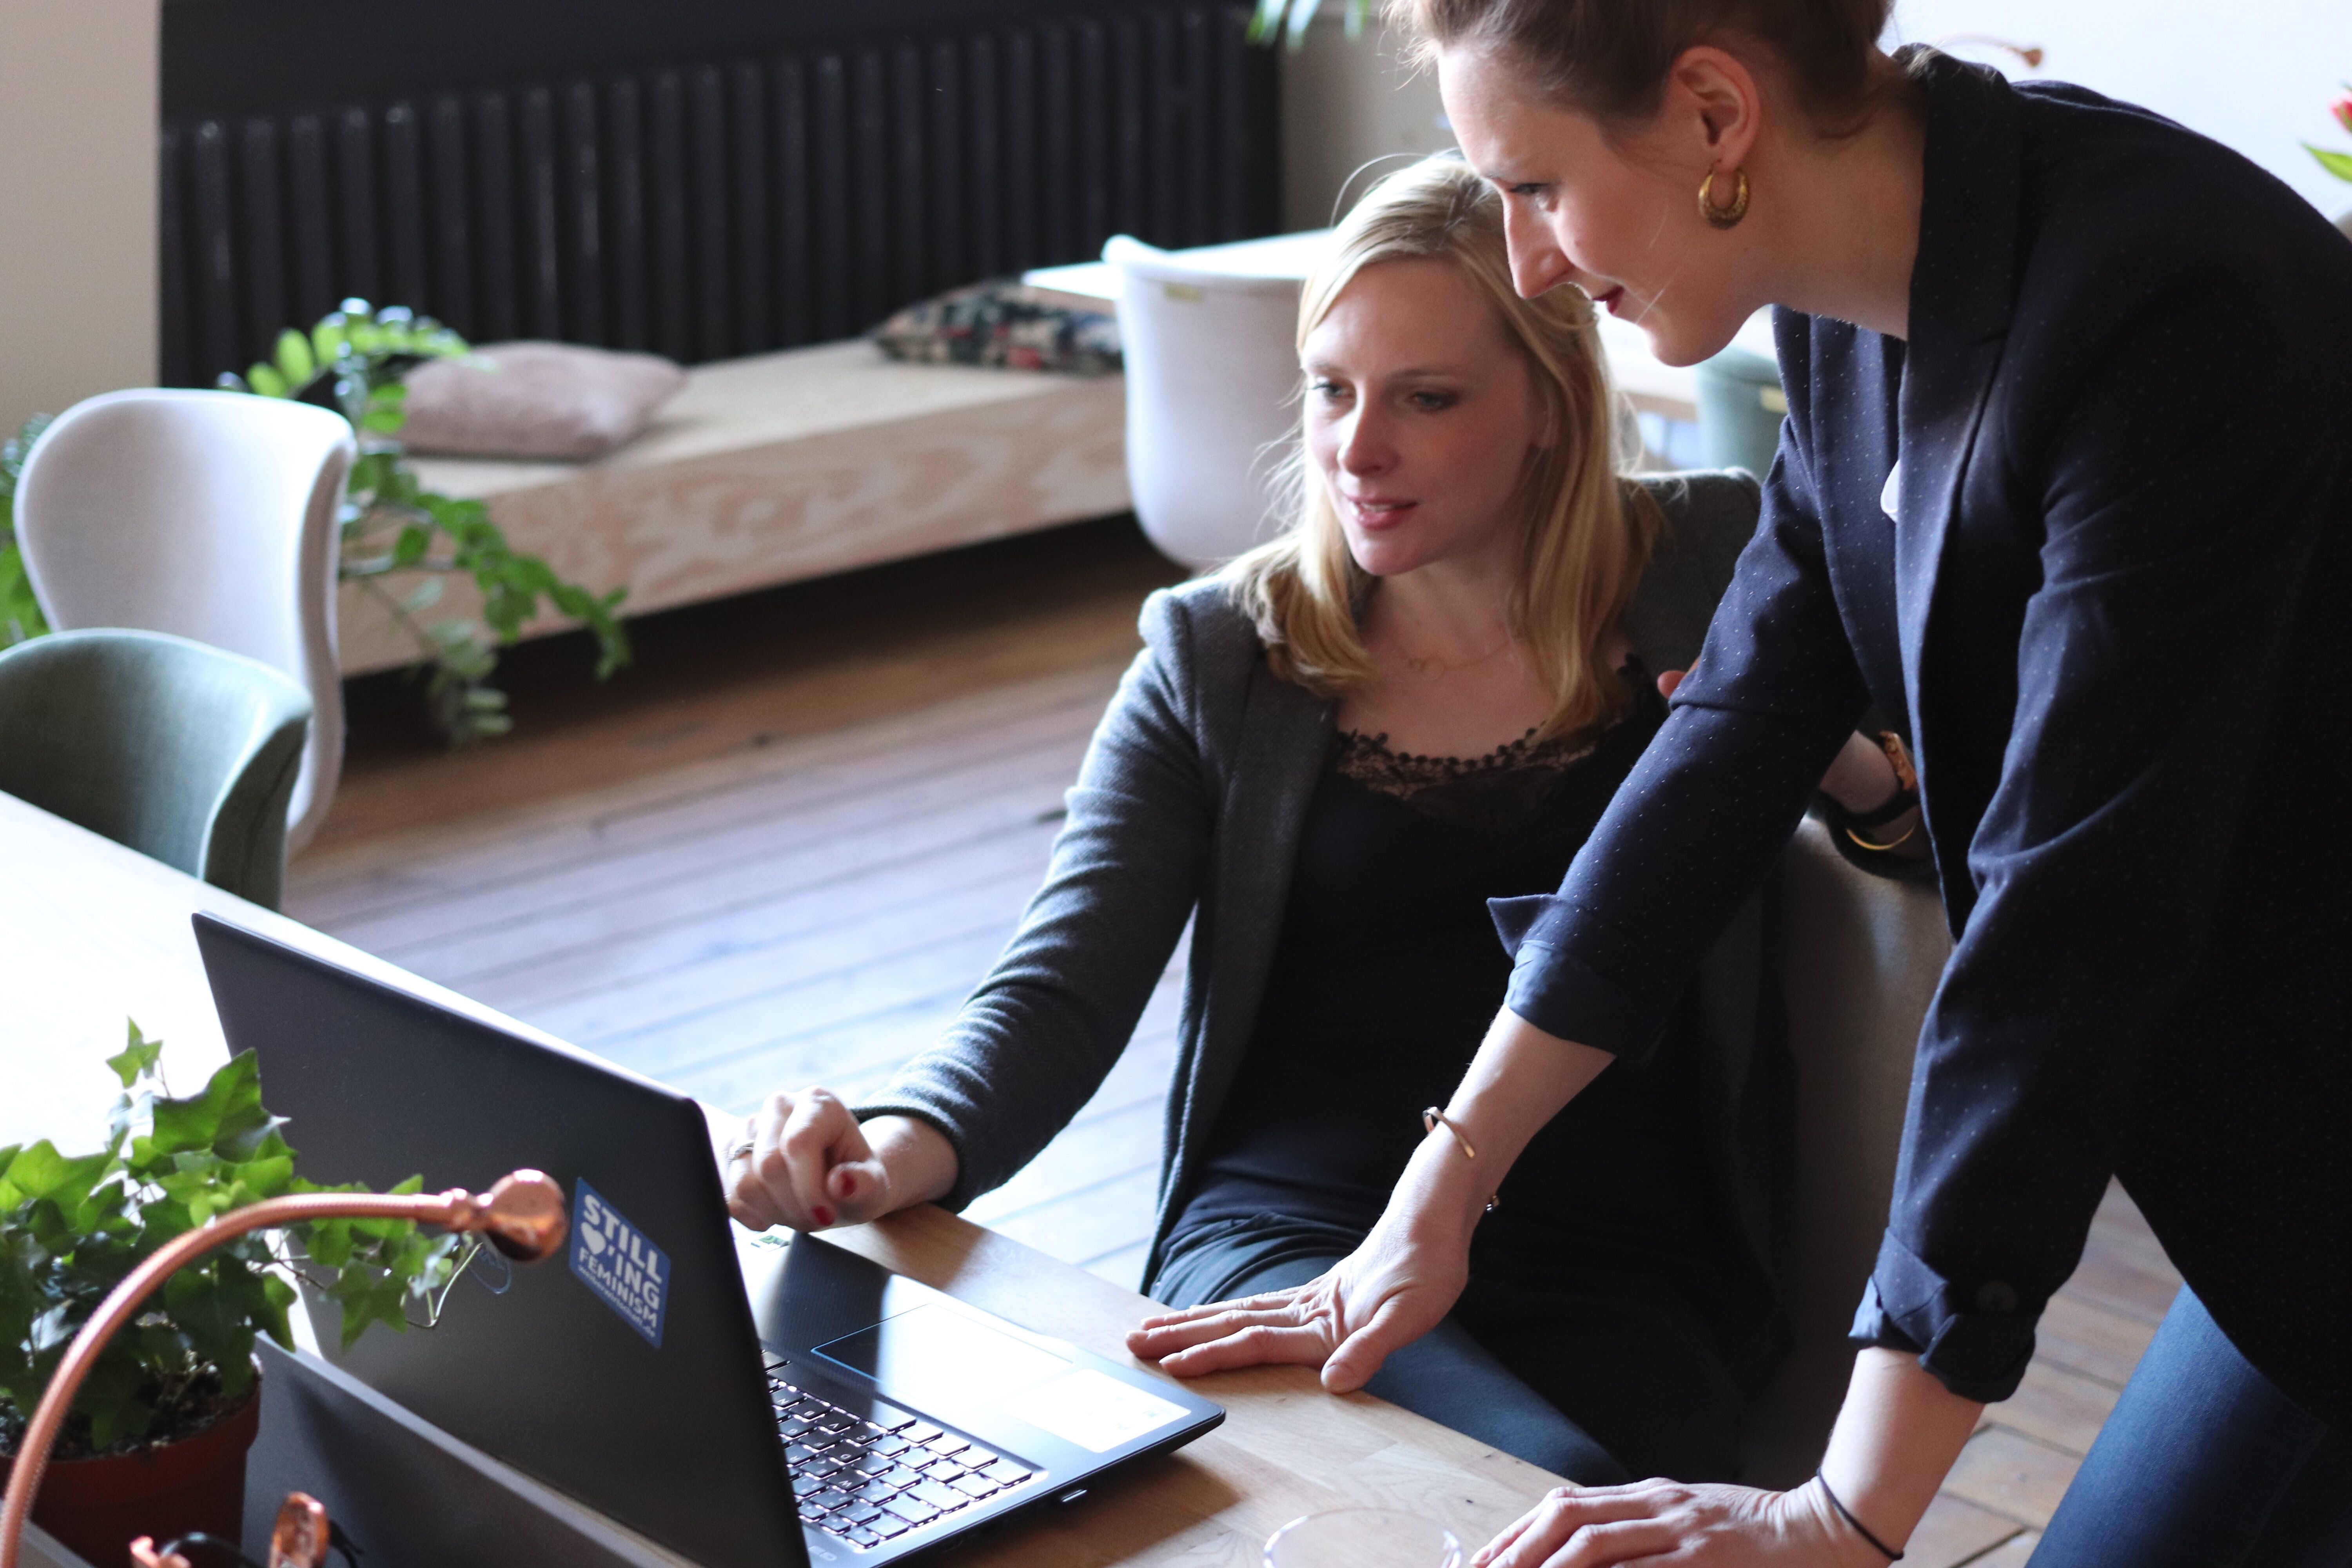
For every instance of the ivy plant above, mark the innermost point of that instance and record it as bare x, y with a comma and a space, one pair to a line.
354, 360
71, 1227
20, 613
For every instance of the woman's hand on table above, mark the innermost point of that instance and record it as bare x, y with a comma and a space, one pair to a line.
1393, 1289
1409, 1271
1386, 1294
803, 1161
1698, 1526
1896, 1437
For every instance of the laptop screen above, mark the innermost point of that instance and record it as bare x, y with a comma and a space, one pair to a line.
628, 1373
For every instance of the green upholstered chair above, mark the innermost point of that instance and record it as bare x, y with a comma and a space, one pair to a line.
181, 751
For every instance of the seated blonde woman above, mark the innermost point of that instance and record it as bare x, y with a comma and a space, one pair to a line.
1330, 756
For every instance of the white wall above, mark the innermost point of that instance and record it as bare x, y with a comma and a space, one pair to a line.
2256, 74
1343, 105
77, 244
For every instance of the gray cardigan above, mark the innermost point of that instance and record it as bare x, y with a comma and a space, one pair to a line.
1190, 805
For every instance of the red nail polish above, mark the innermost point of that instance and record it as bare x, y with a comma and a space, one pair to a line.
822, 1214
848, 1185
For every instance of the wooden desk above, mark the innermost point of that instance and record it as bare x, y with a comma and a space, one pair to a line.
90, 931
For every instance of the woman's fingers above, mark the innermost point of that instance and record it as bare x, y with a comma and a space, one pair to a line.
1295, 1326
1268, 1300
1158, 1337
1584, 1526
1633, 1541
818, 1136
860, 1189
759, 1193
1205, 1325
1518, 1527
1254, 1344
809, 1166
856, 1181
1656, 1523
1668, 682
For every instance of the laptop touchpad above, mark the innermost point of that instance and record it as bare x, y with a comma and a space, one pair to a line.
932, 1348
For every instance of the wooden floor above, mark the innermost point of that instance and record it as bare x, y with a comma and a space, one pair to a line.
783, 849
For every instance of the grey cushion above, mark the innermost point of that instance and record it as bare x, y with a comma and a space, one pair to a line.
535, 400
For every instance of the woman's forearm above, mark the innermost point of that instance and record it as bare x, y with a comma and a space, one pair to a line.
1897, 1438
1519, 1079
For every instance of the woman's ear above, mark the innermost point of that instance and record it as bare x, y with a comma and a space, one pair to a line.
1714, 107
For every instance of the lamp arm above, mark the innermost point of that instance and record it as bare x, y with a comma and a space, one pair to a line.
522, 1215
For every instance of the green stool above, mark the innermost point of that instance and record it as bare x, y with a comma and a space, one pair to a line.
179, 750
1740, 406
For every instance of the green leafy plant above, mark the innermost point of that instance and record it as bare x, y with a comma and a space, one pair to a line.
1288, 20
71, 1227
355, 361
2337, 164
20, 613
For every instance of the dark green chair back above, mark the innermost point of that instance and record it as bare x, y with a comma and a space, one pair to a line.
1739, 410
181, 751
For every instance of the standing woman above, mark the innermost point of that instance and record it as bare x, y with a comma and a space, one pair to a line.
2066, 487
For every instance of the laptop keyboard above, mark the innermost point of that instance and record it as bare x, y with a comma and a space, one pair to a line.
871, 1479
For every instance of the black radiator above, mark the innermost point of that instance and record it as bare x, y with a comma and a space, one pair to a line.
755, 200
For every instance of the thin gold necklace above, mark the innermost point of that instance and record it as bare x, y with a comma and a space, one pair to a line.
1434, 668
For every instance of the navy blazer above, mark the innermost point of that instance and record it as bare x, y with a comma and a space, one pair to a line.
2103, 592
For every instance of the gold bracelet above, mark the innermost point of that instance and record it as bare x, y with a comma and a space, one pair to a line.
1432, 1117
1895, 843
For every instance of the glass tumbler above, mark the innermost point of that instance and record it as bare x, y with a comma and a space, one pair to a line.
1363, 1538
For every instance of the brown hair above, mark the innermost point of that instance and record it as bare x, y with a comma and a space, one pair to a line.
1587, 530
1608, 58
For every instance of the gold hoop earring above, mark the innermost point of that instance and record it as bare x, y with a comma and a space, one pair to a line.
1724, 217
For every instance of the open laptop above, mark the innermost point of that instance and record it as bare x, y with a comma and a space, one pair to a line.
747, 1402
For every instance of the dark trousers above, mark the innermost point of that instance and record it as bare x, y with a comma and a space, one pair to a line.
2205, 1464
1601, 1375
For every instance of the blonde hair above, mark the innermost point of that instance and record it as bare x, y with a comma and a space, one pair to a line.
1586, 530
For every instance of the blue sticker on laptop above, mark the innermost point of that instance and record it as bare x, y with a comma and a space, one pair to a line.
619, 1262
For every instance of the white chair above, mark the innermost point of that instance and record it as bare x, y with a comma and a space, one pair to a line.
1212, 399
1861, 960
209, 515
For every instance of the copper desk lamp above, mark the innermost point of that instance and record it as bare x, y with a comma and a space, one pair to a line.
522, 1216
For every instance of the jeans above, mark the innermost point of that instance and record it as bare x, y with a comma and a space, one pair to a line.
1600, 1375
2205, 1465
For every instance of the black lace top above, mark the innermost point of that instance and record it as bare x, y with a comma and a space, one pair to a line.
1493, 793
1387, 974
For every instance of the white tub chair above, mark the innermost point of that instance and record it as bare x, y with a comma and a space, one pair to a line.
1212, 399
209, 515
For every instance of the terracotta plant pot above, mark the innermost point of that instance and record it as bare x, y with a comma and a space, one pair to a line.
98, 1506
